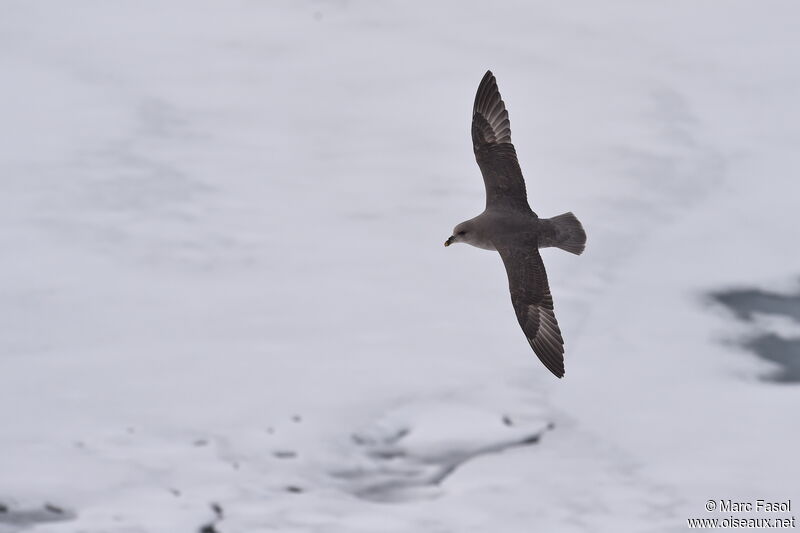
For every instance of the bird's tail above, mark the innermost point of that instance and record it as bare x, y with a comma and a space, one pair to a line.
569, 234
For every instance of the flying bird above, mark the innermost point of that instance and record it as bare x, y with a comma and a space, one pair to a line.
509, 226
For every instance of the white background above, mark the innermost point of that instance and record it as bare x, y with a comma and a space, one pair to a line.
223, 276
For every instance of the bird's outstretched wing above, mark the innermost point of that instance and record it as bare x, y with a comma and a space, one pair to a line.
533, 304
497, 159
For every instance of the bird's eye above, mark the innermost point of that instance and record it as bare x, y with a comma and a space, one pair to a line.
462, 232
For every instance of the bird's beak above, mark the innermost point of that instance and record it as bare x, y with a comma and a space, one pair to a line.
449, 241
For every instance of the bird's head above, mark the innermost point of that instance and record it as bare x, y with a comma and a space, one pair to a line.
460, 233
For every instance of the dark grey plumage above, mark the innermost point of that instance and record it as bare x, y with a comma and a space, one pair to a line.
496, 156
509, 226
533, 305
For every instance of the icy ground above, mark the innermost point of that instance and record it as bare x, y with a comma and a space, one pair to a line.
225, 303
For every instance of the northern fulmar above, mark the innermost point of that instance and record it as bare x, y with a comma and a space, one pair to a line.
510, 227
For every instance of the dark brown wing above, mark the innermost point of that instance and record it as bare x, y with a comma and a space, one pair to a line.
497, 159
530, 294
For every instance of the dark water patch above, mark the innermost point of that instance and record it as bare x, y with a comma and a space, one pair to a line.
401, 474
19, 518
454, 461
284, 454
219, 515
784, 352
744, 304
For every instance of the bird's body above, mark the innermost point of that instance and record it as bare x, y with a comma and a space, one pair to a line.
509, 226
493, 227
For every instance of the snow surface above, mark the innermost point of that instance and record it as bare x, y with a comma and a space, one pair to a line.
223, 280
